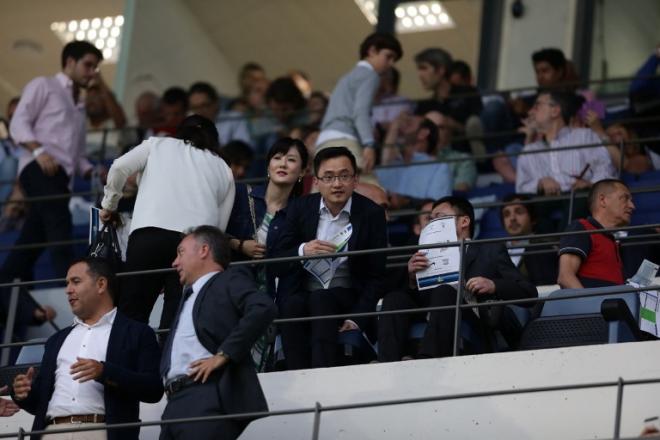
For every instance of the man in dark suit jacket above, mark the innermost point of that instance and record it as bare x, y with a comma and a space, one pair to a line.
206, 363
488, 274
98, 370
519, 219
315, 224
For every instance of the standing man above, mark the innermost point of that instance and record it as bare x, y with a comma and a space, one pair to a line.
50, 123
335, 219
96, 371
206, 365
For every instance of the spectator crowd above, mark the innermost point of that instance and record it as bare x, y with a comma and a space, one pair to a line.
328, 173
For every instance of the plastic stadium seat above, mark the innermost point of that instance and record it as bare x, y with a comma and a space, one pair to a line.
596, 319
355, 347
491, 225
29, 356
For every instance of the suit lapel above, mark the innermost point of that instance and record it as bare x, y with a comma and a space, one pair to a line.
356, 220
117, 334
202, 294
470, 255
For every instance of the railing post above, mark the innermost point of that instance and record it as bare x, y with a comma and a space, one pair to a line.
317, 421
459, 297
621, 147
21, 434
11, 322
571, 201
617, 416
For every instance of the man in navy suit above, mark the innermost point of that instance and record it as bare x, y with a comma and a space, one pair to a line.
319, 224
206, 366
96, 371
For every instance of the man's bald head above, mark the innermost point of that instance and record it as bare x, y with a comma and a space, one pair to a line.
374, 193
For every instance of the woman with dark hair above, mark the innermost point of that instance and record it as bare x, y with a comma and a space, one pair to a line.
259, 212
182, 183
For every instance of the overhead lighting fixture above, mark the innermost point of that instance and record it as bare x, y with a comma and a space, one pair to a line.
411, 17
103, 32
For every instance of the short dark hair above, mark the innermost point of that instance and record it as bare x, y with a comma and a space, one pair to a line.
461, 205
199, 132
205, 88
78, 49
216, 240
101, 268
461, 68
432, 138
419, 206
567, 102
436, 57
331, 153
511, 199
551, 55
284, 90
380, 41
175, 95
237, 152
600, 187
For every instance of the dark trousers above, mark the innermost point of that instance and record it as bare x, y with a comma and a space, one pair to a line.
438, 340
46, 221
314, 343
150, 248
199, 400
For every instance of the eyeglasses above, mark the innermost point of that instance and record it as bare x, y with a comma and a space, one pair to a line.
343, 178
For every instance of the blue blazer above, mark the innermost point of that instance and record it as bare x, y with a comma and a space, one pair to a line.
240, 225
130, 375
369, 232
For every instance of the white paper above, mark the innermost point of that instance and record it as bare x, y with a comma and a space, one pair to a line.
444, 262
649, 311
323, 269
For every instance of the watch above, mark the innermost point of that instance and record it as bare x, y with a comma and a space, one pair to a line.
222, 354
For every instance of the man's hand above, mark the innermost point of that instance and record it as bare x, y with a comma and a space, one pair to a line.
549, 186
47, 163
45, 313
254, 249
201, 369
348, 325
317, 247
368, 159
85, 370
581, 184
480, 286
417, 262
23, 384
7, 407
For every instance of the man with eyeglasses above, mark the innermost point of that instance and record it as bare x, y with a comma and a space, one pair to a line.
336, 219
554, 172
488, 274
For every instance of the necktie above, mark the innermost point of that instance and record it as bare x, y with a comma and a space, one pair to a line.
166, 357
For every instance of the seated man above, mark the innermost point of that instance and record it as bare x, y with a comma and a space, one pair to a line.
594, 260
488, 274
519, 219
554, 172
334, 214
432, 180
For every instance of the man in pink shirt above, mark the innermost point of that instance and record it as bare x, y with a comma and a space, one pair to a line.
49, 123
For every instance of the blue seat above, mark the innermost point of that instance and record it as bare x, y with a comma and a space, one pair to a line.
490, 225
594, 319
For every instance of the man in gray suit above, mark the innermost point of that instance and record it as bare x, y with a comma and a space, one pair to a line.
206, 364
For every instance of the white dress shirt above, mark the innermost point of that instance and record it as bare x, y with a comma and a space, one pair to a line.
71, 397
186, 347
181, 186
330, 225
563, 166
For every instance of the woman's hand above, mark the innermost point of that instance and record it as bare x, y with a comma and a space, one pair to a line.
253, 249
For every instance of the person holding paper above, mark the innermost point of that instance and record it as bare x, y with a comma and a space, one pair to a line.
335, 219
488, 274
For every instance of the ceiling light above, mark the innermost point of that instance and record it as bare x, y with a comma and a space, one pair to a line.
104, 32
411, 16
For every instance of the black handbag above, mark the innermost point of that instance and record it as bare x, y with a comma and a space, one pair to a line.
106, 246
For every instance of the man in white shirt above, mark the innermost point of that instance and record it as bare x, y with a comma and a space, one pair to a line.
336, 219
555, 172
96, 371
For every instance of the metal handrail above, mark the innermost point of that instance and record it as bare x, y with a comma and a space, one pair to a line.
619, 383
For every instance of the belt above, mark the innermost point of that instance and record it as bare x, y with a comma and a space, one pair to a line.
177, 384
78, 418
